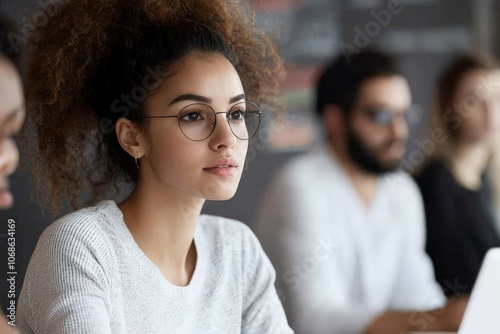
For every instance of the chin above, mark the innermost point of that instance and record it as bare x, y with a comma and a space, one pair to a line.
219, 192
5, 207
221, 197
393, 166
218, 189
390, 165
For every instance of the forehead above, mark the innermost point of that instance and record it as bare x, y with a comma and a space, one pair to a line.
477, 79
210, 75
385, 91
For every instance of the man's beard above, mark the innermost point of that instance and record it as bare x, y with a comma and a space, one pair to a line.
367, 159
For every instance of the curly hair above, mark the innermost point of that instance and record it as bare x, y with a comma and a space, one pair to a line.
92, 53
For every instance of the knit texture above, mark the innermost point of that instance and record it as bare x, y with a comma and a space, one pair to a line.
88, 275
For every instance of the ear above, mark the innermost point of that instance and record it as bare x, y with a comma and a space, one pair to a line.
333, 121
130, 137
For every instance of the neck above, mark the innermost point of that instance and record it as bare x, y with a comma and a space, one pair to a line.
468, 162
162, 223
364, 183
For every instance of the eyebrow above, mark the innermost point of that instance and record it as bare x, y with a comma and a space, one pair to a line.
237, 98
12, 114
203, 99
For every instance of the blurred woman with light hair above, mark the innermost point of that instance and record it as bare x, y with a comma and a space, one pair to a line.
457, 183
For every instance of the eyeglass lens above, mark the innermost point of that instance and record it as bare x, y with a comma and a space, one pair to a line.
197, 121
385, 116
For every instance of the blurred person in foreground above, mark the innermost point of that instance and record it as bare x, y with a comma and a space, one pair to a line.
459, 179
12, 114
343, 227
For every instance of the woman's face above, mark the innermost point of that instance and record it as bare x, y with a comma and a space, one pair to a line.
11, 119
477, 100
211, 168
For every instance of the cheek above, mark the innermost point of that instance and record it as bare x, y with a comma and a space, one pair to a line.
9, 157
171, 156
371, 136
495, 120
474, 122
242, 148
167, 147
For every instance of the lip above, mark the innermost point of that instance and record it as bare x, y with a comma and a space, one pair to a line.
222, 167
223, 162
6, 198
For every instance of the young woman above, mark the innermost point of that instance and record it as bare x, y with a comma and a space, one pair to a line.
455, 185
11, 119
162, 94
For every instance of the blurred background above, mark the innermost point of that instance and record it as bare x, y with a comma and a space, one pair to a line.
424, 34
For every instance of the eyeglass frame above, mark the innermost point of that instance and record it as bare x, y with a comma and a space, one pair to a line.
371, 113
178, 116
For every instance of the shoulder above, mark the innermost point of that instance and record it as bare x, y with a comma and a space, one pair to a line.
401, 185
298, 174
436, 183
233, 244
303, 162
432, 173
404, 198
82, 228
73, 246
220, 229
308, 191
228, 237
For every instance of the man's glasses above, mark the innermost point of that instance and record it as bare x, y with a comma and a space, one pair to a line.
385, 116
197, 121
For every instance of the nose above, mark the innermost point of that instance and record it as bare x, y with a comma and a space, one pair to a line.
222, 137
9, 157
399, 127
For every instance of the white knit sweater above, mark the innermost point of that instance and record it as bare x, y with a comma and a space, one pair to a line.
87, 275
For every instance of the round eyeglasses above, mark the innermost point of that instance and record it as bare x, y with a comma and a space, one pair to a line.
197, 121
385, 116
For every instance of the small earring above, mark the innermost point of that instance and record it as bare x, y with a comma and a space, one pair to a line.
136, 163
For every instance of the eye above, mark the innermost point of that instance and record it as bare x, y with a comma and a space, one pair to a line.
14, 137
192, 116
236, 115
383, 117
